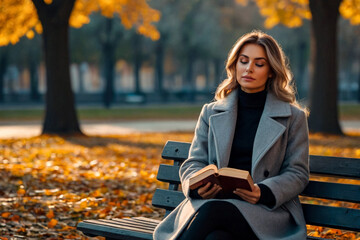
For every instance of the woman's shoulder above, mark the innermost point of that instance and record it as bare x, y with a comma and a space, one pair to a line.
298, 115
297, 110
210, 105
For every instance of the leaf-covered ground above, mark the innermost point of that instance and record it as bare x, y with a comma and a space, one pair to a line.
48, 184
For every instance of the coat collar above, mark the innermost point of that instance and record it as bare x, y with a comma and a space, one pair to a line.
273, 106
269, 130
228, 103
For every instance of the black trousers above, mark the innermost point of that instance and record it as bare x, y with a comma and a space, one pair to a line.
218, 220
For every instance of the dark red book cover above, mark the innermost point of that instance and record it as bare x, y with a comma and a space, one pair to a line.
228, 183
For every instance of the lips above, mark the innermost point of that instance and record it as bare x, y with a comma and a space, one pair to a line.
248, 78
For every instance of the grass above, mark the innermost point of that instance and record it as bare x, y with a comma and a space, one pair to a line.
350, 111
346, 111
119, 113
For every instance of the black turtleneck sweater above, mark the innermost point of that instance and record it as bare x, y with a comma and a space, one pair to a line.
250, 108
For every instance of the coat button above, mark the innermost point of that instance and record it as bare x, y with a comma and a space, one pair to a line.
266, 173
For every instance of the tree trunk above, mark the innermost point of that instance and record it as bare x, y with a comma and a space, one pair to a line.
218, 74
324, 85
137, 61
302, 68
159, 68
109, 63
3, 66
190, 85
358, 96
60, 114
34, 79
81, 75
207, 74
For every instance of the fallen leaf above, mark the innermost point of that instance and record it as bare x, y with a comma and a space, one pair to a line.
50, 214
52, 223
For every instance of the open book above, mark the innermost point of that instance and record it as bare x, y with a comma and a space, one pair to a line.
228, 178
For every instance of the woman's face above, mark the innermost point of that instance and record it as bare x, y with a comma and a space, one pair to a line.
252, 68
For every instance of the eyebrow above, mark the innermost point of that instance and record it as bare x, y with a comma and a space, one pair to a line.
259, 58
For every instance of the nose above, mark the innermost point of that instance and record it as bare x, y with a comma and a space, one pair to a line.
249, 68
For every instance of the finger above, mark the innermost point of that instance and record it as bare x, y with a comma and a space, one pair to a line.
215, 193
245, 197
204, 189
255, 193
244, 191
212, 192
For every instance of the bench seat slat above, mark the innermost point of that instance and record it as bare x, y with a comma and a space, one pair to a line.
155, 221
111, 232
120, 222
140, 220
336, 217
110, 223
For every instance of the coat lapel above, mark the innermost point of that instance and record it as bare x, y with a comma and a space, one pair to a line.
222, 125
269, 130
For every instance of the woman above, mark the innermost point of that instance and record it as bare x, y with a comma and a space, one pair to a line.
255, 124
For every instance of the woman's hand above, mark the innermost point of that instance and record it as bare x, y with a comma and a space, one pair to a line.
251, 197
207, 191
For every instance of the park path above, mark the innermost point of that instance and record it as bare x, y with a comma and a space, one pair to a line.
30, 129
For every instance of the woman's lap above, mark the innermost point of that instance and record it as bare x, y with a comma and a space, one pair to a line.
218, 220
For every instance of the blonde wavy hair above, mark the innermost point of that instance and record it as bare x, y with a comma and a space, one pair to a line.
280, 83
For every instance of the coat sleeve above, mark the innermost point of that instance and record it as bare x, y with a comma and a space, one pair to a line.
198, 153
294, 172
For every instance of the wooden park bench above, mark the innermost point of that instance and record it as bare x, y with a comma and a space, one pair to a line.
318, 215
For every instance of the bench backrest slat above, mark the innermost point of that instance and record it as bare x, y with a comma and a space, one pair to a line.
336, 217
167, 199
339, 166
168, 173
333, 191
314, 214
177, 151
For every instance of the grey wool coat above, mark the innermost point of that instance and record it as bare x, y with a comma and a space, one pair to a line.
280, 161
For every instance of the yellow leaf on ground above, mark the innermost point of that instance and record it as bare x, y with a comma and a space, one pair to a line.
52, 223
15, 218
5, 214
21, 191
50, 214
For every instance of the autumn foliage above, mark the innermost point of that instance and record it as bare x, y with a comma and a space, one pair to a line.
19, 17
48, 184
291, 13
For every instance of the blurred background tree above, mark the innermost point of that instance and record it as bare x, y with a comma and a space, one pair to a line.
52, 19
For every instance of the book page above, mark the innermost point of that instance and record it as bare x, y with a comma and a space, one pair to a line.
203, 173
211, 168
232, 172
